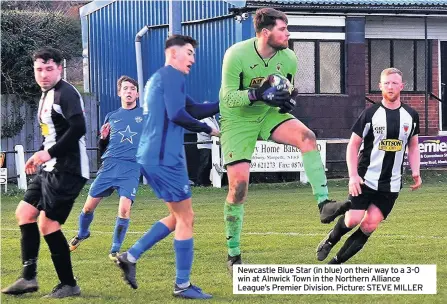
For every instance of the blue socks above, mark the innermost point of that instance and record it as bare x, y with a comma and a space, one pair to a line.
184, 251
119, 233
85, 219
184, 254
157, 232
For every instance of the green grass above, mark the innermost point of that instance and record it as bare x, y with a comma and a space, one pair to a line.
281, 227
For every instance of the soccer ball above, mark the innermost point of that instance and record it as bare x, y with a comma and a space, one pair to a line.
280, 82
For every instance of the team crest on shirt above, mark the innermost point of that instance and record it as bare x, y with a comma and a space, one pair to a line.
278, 66
138, 119
391, 145
406, 127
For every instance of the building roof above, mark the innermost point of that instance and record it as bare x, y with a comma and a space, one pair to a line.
413, 6
94, 6
359, 2
355, 6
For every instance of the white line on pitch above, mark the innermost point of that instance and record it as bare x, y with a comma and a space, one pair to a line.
298, 234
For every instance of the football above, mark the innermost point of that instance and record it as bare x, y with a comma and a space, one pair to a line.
280, 82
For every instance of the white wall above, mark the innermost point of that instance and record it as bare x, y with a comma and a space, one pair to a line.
405, 27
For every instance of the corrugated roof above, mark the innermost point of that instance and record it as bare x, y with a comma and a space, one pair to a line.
358, 2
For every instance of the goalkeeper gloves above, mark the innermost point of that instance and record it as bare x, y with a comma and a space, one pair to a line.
275, 96
290, 104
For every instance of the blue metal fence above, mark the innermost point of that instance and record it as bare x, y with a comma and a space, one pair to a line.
111, 44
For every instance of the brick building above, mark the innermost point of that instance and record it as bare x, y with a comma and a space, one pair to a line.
343, 45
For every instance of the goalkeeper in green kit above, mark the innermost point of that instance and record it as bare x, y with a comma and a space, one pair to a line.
255, 101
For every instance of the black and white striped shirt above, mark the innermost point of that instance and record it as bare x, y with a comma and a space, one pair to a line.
385, 135
62, 122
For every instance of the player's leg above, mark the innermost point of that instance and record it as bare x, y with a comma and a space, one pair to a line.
382, 204
184, 250
156, 233
60, 255
121, 226
127, 260
379, 208
359, 238
238, 178
344, 224
30, 241
285, 129
59, 194
359, 205
167, 183
85, 219
238, 142
26, 214
127, 186
101, 187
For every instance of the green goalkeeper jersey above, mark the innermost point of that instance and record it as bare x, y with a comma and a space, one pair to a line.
243, 68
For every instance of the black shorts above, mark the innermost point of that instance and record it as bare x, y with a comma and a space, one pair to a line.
382, 200
54, 193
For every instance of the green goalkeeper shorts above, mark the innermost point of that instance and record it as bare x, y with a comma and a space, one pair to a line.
239, 135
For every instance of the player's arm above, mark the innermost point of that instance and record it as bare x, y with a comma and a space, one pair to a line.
175, 100
201, 110
231, 92
104, 136
210, 124
71, 105
414, 156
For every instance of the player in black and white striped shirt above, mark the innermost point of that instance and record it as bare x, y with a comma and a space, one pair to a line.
382, 133
63, 173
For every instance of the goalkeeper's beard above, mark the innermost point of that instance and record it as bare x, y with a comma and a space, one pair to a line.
274, 45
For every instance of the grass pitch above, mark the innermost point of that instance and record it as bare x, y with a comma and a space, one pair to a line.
281, 226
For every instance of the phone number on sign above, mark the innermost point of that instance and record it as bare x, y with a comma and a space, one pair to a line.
275, 165
263, 165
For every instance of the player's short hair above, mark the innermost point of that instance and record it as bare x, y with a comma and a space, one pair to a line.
180, 40
48, 53
266, 18
128, 79
390, 71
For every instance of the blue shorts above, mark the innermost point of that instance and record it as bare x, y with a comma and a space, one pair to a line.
170, 184
123, 176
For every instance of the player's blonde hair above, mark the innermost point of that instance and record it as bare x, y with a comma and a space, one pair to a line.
390, 71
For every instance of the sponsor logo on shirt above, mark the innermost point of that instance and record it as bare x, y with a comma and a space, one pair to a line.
379, 129
255, 82
253, 66
138, 119
390, 145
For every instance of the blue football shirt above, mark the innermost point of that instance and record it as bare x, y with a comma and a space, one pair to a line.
125, 132
165, 119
